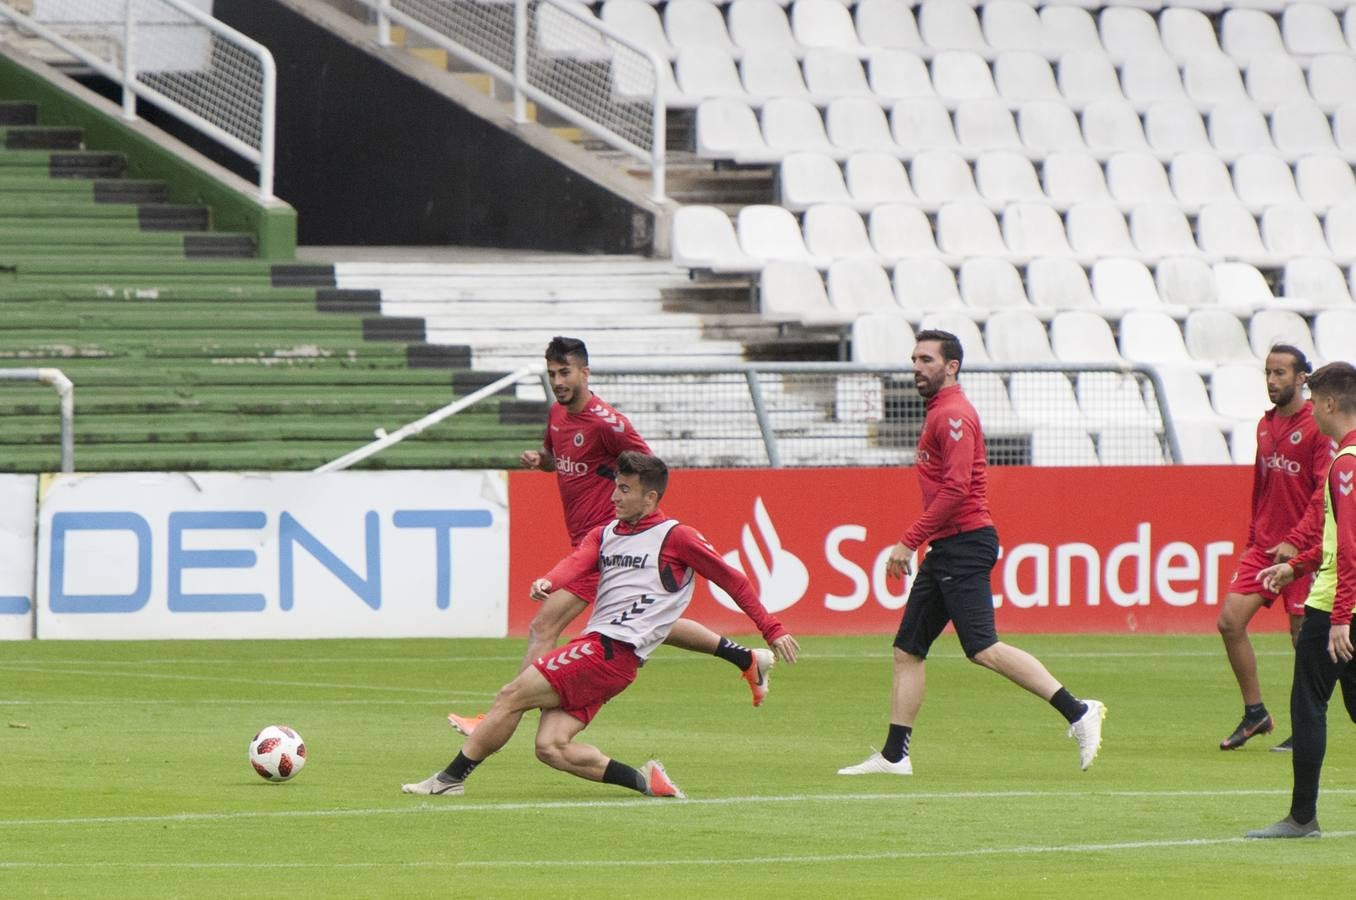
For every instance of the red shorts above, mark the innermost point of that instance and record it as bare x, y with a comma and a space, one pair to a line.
585, 587
587, 672
1253, 561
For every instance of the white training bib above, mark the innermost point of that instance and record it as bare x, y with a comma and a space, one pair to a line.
634, 604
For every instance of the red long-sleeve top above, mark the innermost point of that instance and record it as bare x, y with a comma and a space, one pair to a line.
1342, 482
951, 470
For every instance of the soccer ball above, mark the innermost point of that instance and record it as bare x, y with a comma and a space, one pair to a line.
277, 753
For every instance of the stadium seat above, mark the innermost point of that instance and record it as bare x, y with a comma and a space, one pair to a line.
1315, 283
772, 72
727, 128
806, 179
968, 228
939, 176
897, 74
1201, 444
1248, 33
1071, 177
983, 126
1335, 335
704, 238
859, 286
825, 23
947, 25
882, 338
991, 284
1111, 126
771, 233
703, 73
1339, 227
1087, 76
1210, 80
1016, 336
697, 23
887, 24
1110, 399
1239, 392
1119, 446
1129, 34
1188, 35
1034, 229
1098, 230
1079, 337
901, 231
1243, 446
1325, 181
1263, 179
792, 292
1023, 76
1268, 327
639, 21
1047, 127
1066, 29
1274, 79
1331, 77
921, 124
1174, 126
1344, 128
877, 178
1045, 398
1185, 282
1152, 337
1217, 336
1123, 284
1292, 230
760, 23
1241, 287
857, 125
834, 73
962, 75
1151, 79
964, 328
1186, 399
1198, 179
792, 126
924, 287
1009, 25
1059, 284
833, 231
988, 394
1135, 177
1005, 176
1238, 128
1058, 446
1309, 29
1301, 129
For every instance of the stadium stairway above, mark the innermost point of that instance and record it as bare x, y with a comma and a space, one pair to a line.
186, 351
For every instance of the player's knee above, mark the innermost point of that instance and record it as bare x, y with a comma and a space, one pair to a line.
987, 657
1229, 624
551, 752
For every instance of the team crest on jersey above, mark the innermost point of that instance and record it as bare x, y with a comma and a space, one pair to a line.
579, 438
1296, 437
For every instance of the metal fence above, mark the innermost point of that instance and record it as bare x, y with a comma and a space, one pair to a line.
65, 389
557, 54
173, 54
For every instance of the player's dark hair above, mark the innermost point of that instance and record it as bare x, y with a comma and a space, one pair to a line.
1302, 363
562, 348
651, 470
1336, 380
951, 345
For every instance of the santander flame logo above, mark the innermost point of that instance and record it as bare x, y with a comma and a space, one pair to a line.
779, 575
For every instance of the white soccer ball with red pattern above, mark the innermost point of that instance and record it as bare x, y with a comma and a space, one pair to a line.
277, 753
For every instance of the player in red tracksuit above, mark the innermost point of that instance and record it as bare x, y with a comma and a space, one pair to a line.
645, 562
583, 438
952, 584
1287, 513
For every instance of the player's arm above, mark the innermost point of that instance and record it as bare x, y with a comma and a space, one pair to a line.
542, 458
958, 458
1344, 515
581, 560
1307, 532
687, 547
1254, 503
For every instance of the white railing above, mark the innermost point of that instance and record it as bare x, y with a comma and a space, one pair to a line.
174, 55
557, 54
57, 380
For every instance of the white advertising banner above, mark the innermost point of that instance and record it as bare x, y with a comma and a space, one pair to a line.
280, 555
18, 524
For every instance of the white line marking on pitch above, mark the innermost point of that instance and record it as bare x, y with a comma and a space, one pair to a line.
454, 806
818, 858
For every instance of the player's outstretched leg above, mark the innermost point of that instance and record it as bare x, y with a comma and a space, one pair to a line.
755, 666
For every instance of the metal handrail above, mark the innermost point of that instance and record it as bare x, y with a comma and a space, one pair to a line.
523, 90
125, 76
66, 392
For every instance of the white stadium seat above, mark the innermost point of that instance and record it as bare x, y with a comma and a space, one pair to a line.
1034, 229
1150, 79
887, 24
1309, 29
1248, 33
1161, 229
1110, 126
1263, 179
834, 73
1045, 398
896, 74
1071, 177
794, 292
1331, 77
1301, 129
1005, 176
925, 287
760, 23
1210, 79
856, 125
1009, 25
1060, 284
1200, 178
1174, 127
1238, 128
947, 25
806, 179
962, 75
1110, 400
703, 73
639, 21
921, 124
991, 284
1136, 177
1067, 29
1240, 286
771, 233
939, 176
1056, 446
697, 23
1079, 337
1292, 230
769, 72
1047, 127
1098, 230
964, 328
1123, 284
1185, 281
1239, 392
968, 228
1228, 230
704, 238
986, 125
1315, 283
1129, 34
1118, 446
1274, 79
1335, 335
793, 126
1201, 444
1324, 181
1086, 76
1188, 34
1152, 337
1269, 327
836, 232
877, 178
900, 231
1017, 336
825, 23
1187, 401
859, 286
1217, 336
882, 338
727, 128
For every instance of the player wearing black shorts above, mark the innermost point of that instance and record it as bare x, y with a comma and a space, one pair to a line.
952, 584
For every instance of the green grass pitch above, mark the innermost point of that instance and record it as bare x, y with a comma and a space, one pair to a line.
123, 772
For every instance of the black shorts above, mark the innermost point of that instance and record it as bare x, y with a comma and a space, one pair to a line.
952, 585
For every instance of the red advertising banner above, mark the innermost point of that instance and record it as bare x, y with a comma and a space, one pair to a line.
1093, 549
